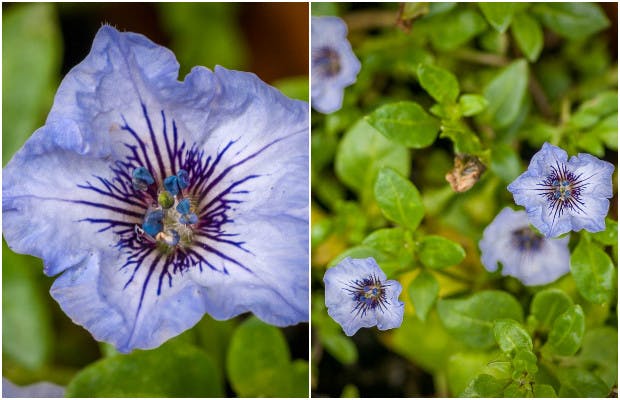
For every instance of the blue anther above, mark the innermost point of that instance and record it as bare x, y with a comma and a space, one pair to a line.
183, 178
188, 219
141, 178
171, 184
183, 206
170, 237
153, 222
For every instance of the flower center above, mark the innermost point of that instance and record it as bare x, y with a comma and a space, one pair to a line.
525, 239
326, 61
368, 294
562, 190
170, 219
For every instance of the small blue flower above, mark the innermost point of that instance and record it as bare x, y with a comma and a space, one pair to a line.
157, 200
561, 195
357, 295
35, 390
524, 253
334, 65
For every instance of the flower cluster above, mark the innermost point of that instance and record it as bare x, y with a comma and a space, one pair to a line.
559, 195
358, 295
334, 66
158, 200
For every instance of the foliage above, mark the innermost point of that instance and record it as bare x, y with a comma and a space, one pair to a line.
450, 81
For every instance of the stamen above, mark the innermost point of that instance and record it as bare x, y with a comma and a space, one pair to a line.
171, 185
188, 219
184, 206
153, 222
183, 179
141, 178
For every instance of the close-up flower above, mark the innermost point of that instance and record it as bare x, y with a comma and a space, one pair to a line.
156, 200
358, 295
333, 63
561, 195
523, 253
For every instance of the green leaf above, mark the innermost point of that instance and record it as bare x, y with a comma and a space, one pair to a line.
32, 55
438, 252
398, 199
362, 152
471, 320
499, 15
27, 329
433, 345
472, 104
607, 131
548, 304
544, 391
405, 123
485, 386
524, 361
567, 332
599, 351
572, 20
440, 83
389, 240
505, 94
575, 382
592, 111
258, 361
396, 244
452, 29
510, 336
517, 390
423, 292
340, 347
175, 369
593, 271
528, 34
505, 162
463, 367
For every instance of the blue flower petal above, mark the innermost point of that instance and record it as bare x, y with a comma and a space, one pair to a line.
68, 196
342, 305
544, 262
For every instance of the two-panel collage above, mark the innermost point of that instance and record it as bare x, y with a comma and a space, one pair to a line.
309, 199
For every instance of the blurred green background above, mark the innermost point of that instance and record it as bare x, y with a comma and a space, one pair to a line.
41, 43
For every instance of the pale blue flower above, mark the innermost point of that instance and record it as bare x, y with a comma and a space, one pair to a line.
158, 200
358, 295
36, 390
334, 65
561, 195
523, 253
